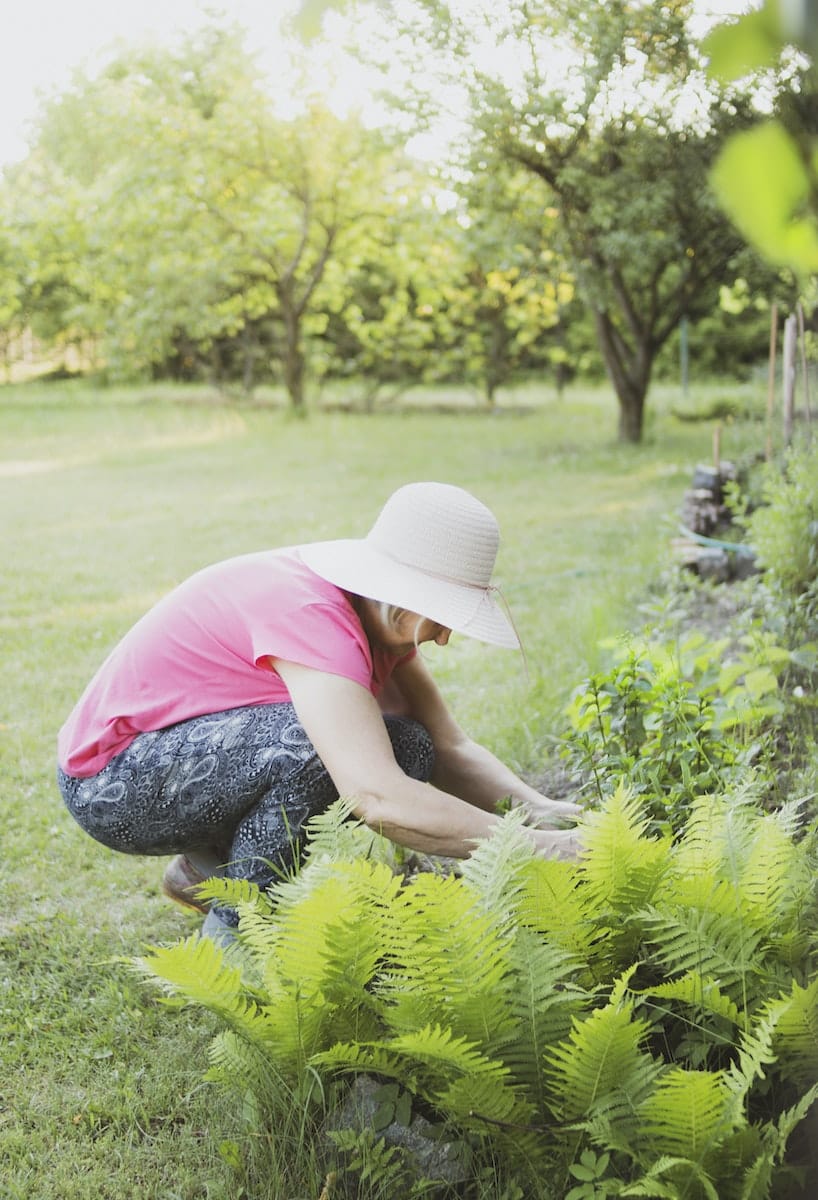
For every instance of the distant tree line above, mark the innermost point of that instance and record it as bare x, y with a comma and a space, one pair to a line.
171, 224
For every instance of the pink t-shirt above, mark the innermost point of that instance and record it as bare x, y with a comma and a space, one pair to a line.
203, 649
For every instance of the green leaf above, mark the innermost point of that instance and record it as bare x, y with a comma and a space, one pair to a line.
580, 1172
749, 44
762, 182
761, 682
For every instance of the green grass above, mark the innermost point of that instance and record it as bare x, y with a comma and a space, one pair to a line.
109, 499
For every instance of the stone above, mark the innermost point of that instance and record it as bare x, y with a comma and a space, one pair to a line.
713, 563
425, 1154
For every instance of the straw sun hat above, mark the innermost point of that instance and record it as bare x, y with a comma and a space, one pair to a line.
431, 551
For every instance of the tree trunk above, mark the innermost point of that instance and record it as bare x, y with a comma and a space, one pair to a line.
629, 369
293, 364
249, 350
631, 415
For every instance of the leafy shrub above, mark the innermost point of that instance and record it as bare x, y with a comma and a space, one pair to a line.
677, 720
641, 1023
783, 531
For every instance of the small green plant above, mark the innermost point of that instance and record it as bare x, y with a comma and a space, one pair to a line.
783, 530
591, 1170
677, 720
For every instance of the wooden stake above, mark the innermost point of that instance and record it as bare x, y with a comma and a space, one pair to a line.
804, 370
768, 452
788, 371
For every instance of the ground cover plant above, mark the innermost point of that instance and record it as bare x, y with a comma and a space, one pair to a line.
108, 500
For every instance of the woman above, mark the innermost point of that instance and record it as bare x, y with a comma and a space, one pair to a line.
265, 686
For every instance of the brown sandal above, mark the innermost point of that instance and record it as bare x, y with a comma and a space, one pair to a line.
180, 881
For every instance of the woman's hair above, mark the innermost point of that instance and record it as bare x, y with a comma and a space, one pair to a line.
392, 613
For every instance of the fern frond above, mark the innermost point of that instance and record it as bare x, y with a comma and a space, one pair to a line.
543, 1001
494, 871
671, 1178
699, 992
700, 851
754, 1056
375, 1057
793, 1117
239, 1066
692, 941
621, 867
197, 969
449, 1071
338, 835
459, 1078
687, 1115
258, 934
774, 876
449, 962
308, 925
601, 1065
796, 1035
233, 892
554, 903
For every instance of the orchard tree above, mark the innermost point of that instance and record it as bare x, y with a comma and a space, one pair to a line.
11, 288
209, 212
606, 104
48, 286
463, 290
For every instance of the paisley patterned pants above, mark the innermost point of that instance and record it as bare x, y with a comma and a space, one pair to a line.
236, 787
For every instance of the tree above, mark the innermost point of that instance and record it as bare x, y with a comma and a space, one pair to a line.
462, 290
209, 213
605, 103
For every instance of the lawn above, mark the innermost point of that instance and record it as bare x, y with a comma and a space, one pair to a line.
109, 499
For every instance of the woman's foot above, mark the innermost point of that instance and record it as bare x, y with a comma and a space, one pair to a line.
180, 882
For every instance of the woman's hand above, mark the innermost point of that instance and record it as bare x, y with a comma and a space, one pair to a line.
549, 814
563, 844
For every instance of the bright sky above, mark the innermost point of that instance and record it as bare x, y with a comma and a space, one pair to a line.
43, 41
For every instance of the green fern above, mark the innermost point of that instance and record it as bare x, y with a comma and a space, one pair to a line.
466, 1084
700, 993
686, 1116
755, 1055
554, 904
671, 1178
233, 892
543, 1007
448, 962
621, 867
198, 970
601, 1067
543, 1002
685, 941
495, 872
796, 1034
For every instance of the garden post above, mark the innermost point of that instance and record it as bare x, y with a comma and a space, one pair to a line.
768, 451
788, 370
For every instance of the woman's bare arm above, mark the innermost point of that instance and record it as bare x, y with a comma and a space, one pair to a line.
464, 767
345, 724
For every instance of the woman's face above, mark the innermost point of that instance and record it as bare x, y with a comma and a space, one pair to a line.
408, 630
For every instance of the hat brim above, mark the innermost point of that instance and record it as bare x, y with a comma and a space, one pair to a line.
354, 565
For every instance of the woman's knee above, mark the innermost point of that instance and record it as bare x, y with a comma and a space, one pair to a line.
413, 746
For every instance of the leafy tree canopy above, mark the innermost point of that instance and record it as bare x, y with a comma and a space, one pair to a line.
608, 106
